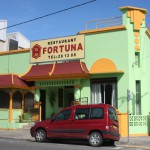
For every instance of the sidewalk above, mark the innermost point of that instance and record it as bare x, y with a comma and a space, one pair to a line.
21, 134
140, 142
24, 134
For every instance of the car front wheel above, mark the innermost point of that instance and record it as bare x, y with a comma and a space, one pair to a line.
40, 135
95, 139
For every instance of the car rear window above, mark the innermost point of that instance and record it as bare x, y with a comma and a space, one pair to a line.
112, 114
97, 113
82, 113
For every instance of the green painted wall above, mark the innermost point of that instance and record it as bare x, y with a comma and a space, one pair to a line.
4, 119
51, 104
114, 46
14, 63
85, 89
141, 73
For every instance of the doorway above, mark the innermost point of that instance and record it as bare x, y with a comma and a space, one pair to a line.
43, 101
68, 95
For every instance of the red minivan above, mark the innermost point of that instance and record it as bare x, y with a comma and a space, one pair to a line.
98, 123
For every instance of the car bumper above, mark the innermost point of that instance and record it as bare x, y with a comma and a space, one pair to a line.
111, 135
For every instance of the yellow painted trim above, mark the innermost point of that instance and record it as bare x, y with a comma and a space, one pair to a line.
104, 66
137, 47
143, 134
134, 8
81, 66
8, 74
40, 112
116, 72
21, 75
107, 29
132, 15
136, 41
123, 124
136, 34
148, 33
50, 73
10, 107
136, 17
120, 113
15, 51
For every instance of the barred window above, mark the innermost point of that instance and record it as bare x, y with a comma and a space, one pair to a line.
138, 97
28, 101
137, 59
4, 99
17, 100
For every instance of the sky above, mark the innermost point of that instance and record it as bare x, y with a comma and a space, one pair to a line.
65, 23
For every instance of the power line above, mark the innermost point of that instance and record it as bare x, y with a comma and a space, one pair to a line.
49, 14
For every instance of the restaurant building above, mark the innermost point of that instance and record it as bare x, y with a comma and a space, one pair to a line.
108, 65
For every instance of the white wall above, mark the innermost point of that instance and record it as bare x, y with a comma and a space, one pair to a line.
23, 42
3, 24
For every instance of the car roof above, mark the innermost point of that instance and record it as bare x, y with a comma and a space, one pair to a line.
88, 105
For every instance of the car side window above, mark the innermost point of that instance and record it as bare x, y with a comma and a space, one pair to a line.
97, 113
82, 113
112, 114
64, 115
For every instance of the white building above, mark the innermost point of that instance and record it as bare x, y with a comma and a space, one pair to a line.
11, 41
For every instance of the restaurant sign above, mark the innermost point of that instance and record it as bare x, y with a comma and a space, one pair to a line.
58, 49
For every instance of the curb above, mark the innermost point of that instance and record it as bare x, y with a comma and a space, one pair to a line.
133, 146
17, 138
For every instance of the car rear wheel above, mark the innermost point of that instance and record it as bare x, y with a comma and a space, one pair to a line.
40, 135
95, 139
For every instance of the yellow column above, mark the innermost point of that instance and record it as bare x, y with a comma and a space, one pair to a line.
123, 124
40, 112
10, 107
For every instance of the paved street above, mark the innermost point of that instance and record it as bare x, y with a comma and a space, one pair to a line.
13, 144
21, 139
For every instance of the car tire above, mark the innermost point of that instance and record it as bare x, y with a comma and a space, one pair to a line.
40, 135
95, 139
